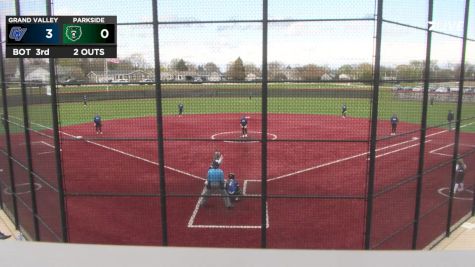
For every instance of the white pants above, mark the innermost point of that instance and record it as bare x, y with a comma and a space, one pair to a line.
216, 187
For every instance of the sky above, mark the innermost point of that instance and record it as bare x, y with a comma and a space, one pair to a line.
297, 43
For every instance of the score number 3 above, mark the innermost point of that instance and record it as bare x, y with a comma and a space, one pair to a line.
49, 33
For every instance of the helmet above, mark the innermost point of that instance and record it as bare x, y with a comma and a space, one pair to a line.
215, 164
231, 175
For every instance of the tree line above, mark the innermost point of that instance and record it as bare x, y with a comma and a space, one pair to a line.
238, 70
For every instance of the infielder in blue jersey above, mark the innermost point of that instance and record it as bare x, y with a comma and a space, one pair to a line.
244, 126
394, 121
98, 124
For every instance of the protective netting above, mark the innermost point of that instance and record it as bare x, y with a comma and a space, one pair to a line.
282, 97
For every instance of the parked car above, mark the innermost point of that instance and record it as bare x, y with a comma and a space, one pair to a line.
147, 81
417, 89
197, 80
442, 90
74, 82
397, 87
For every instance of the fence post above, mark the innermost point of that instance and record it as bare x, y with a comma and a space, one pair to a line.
26, 126
6, 124
374, 127
459, 116
158, 103
57, 144
420, 168
264, 127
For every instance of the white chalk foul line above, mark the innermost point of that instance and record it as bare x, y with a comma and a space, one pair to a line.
355, 156
137, 157
434, 151
400, 149
46, 144
191, 222
44, 153
337, 161
125, 153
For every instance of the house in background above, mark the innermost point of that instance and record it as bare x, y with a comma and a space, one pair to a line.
34, 73
166, 76
214, 77
66, 73
251, 77
291, 74
116, 75
344, 77
327, 77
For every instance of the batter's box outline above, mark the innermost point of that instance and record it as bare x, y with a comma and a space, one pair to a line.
191, 222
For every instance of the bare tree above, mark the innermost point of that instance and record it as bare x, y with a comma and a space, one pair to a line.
211, 67
310, 72
178, 65
138, 61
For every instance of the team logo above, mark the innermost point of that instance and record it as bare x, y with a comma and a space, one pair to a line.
73, 33
17, 33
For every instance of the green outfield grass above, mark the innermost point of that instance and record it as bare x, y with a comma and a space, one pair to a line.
409, 111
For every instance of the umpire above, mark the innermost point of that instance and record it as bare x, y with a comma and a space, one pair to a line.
215, 183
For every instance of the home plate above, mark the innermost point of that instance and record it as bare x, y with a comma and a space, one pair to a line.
415, 138
79, 137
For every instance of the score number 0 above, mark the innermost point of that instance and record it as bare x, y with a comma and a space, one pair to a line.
104, 33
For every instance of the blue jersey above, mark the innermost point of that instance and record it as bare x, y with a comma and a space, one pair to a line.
215, 175
394, 120
243, 121
97, 119
233, 186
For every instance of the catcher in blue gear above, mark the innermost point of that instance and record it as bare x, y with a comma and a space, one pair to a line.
232, 187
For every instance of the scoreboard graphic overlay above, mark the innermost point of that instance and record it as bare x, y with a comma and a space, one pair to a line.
61, 36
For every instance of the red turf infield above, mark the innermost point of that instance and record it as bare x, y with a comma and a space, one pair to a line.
328, 169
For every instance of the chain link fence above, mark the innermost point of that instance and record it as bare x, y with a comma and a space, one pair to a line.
347, 125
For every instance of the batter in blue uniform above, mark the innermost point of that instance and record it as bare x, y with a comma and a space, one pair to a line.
244, 126
98, 124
